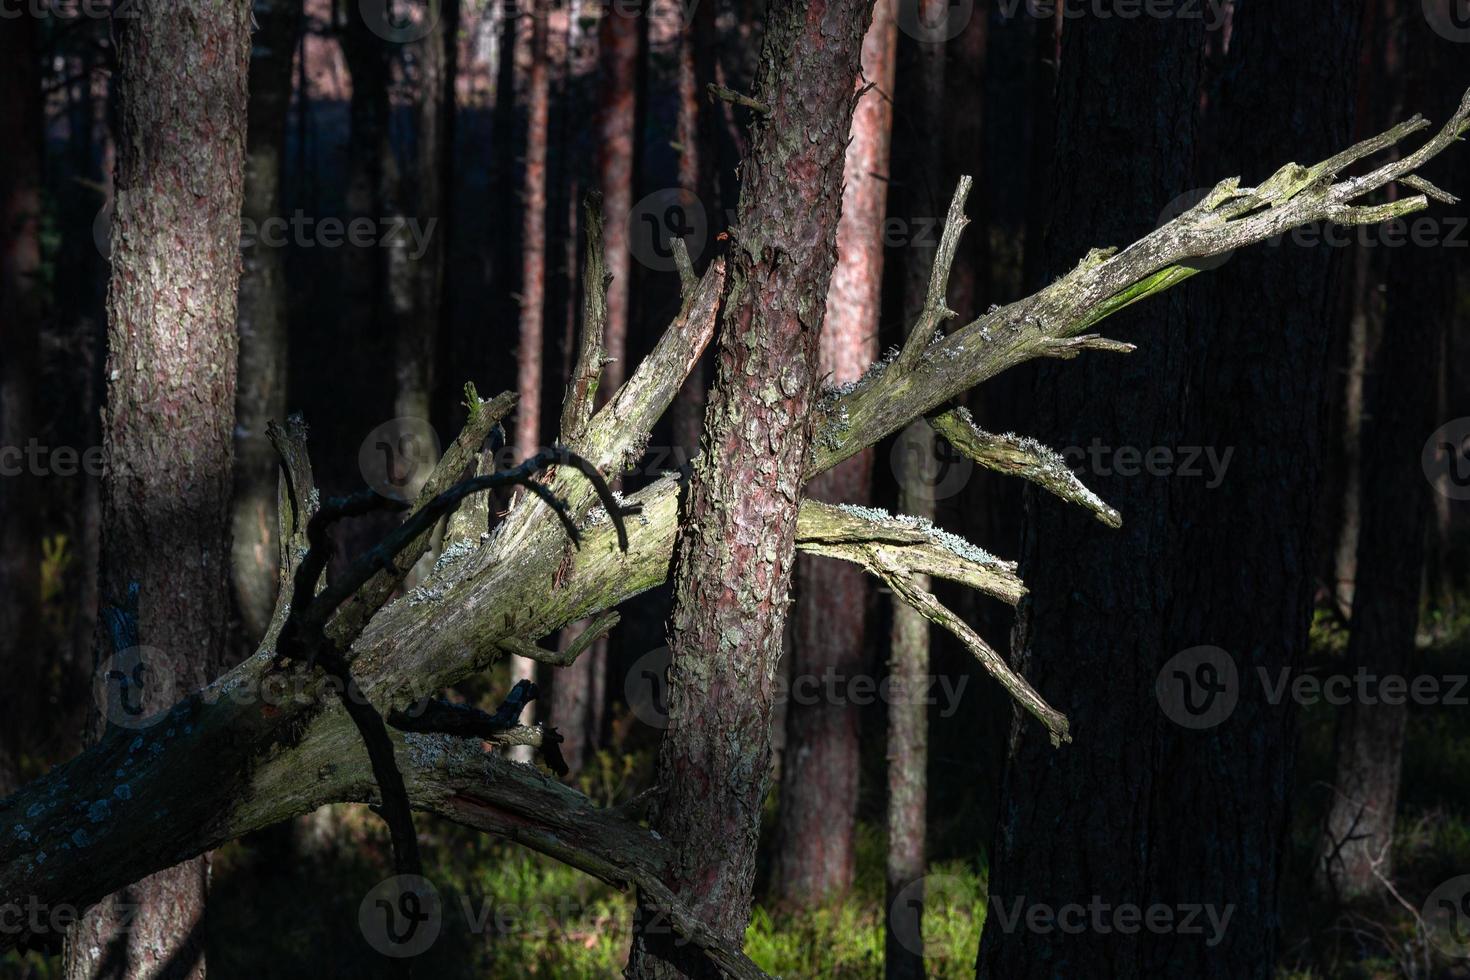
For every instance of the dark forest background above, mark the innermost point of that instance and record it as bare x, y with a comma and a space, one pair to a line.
1298, 394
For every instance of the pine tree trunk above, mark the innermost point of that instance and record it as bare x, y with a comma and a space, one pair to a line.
261, 396
1400, 400
21, 301
921, 97
530, 355
1149, 811
734, 556
1067, 825
582, 685
814, 853
170, 405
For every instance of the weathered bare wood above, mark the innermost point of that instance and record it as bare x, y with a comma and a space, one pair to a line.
1018, 456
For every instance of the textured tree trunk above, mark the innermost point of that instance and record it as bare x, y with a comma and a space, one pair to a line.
21, 300
261, 396
921, 97
530, 354
1068, 822
814, 853
1140, 809
167, 429
1399, 405
737, 538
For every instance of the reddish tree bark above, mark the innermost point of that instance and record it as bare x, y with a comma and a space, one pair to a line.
814, 851
737, 541
167, 428
530, 354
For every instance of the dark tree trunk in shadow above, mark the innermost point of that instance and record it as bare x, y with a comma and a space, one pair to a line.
1146, 808
1400, 398
167, 429
21, 309
261, 395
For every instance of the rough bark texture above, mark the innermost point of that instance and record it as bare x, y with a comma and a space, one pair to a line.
1400, 400
1152, 812
20, 319
733, 563
170, 403
261, 395
814, 852
1087, 636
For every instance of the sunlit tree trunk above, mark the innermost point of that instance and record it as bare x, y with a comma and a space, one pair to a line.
737, 540
530, 353
167, 430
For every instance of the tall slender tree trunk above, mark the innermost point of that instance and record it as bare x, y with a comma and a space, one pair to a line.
418, 333
921, 97
616, 123
736, 545
21, 300
530, 355
167, 430
698, 136
582, 684
261, 395
814, 853
1141, 809
1400, 400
